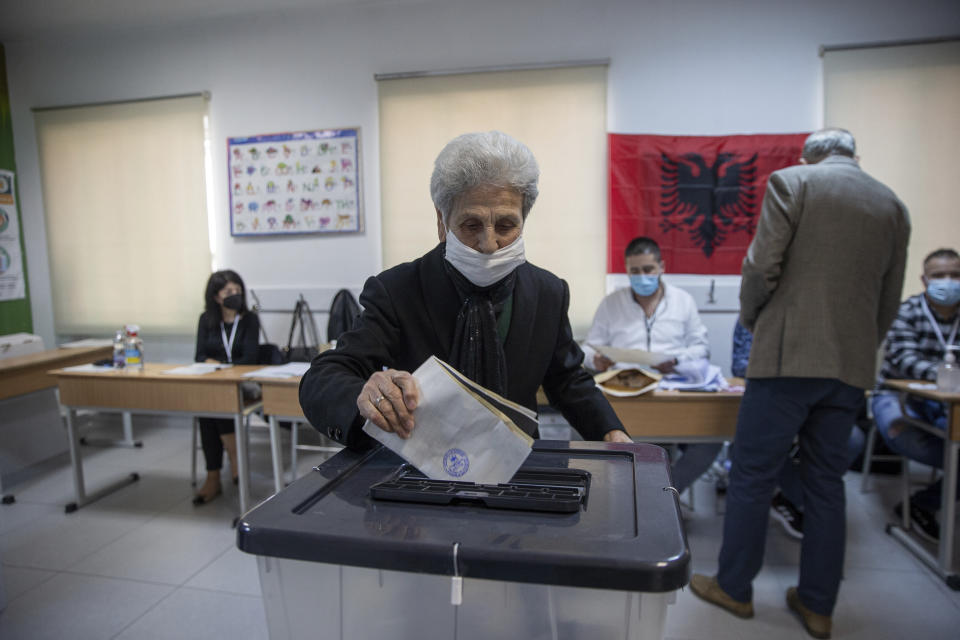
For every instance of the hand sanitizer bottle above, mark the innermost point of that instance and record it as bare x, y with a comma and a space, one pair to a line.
119, 356
948, 373
133, 348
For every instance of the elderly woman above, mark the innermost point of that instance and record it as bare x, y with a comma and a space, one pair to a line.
473, 301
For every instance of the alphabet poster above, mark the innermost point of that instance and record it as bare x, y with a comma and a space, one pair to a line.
11, 261
295, 183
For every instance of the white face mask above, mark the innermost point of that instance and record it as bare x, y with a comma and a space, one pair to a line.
483, 269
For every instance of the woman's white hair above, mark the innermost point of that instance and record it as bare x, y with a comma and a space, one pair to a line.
489, 158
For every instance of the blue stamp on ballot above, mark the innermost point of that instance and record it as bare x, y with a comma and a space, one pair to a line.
456, 462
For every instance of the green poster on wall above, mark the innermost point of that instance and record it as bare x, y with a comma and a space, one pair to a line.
11, 262
14, 285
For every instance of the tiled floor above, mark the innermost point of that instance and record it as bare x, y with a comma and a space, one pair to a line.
145, 563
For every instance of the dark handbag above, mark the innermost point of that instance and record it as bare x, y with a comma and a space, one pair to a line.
270, 354
308, 345
344, 314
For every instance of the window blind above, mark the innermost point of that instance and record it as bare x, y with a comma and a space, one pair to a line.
126, 214
560, 113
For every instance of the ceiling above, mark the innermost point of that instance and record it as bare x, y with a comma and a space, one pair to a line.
41, 19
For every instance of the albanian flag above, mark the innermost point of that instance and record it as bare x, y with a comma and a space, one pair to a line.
699, 197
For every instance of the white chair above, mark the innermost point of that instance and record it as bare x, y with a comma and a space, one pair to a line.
295, 446
868, 455
248, 412
868, 459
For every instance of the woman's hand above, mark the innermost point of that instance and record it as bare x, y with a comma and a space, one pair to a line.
387, 400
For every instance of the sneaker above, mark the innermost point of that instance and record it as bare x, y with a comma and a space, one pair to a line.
923, 522
787, 514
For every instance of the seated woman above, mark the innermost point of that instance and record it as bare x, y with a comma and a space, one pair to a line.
227, 332
473, 301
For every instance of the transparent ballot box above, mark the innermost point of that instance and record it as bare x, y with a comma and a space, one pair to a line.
585, 542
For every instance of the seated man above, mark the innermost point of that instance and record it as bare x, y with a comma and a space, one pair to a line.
925, 327
653, 316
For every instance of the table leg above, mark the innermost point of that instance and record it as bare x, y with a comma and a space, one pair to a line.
127, 440
8, 498
275, 455
948, 504
76, 462
240, 427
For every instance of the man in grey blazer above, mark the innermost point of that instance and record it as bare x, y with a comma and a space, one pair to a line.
821, 285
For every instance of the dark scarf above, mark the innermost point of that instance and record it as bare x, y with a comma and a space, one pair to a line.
476, 351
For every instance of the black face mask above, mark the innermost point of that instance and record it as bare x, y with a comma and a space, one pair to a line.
234, 302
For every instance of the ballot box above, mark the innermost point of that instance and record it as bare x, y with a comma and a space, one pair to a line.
592, 547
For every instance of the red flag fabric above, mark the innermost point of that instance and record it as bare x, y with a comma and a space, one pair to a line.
699, 197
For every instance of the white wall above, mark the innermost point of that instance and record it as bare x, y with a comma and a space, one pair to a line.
678, 67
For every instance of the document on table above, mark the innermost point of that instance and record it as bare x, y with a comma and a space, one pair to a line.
90, 367
630, 356
289, 370
463, 432
197, 369
695, 375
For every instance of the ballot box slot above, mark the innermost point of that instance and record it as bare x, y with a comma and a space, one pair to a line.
530, 489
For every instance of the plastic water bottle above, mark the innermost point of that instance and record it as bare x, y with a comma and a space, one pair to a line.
119, 352
133, 348
948, 374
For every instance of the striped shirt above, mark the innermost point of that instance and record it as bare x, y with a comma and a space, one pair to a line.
913, 350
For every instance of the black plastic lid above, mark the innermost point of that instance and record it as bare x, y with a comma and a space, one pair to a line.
627, 534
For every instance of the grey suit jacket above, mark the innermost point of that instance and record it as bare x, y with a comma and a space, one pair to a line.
823, 275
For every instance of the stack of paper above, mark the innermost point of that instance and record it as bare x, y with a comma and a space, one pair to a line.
462, 431
196, 369
695, 375
90, 368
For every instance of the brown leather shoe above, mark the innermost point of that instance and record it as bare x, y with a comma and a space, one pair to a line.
817, 625
707, 588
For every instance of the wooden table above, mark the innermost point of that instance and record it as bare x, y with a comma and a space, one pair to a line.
149, 390
658, 416
679, 416
942, 563
281, 401
25, 374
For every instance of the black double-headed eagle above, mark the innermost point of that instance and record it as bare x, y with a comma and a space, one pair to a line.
708, 201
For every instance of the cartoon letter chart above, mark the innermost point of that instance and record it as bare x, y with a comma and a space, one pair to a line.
11, 262
295, 183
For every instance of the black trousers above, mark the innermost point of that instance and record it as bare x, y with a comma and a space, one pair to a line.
773, 411
210, 431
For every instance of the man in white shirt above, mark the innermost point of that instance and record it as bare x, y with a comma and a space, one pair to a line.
653, 316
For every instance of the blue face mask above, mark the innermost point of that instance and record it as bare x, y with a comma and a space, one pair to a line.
945, 291
644, 285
